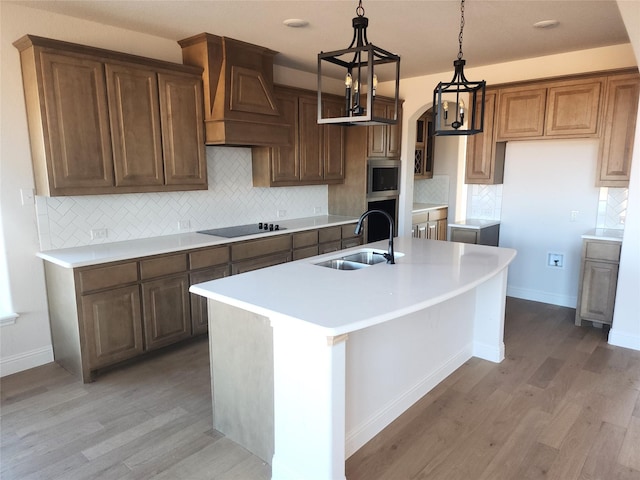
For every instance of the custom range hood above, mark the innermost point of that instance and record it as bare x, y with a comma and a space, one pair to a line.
239, 103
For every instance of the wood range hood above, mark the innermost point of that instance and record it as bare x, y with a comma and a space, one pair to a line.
239, 103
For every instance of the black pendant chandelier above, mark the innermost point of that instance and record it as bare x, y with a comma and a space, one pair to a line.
361, 65
449, 99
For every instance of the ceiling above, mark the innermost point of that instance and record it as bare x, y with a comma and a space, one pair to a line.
423, 32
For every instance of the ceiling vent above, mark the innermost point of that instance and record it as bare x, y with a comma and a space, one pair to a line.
240, 106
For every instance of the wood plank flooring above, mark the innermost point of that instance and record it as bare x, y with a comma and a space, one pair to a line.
563, 405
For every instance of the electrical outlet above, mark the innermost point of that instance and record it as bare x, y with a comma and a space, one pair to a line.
555, 260
282, 213
574, 215
27, 196
98, 233
183, 225
317, 210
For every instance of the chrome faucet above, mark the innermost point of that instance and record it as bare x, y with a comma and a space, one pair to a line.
389, 255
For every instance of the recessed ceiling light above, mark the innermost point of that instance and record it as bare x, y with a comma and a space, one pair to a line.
295, 22
546, 24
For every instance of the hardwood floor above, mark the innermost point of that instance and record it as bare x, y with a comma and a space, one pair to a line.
563, 405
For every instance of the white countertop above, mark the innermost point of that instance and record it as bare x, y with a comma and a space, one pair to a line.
117, 251
342, 301
610, 234
475, 223
423, 207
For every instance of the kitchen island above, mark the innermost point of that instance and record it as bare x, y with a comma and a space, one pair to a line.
309, 363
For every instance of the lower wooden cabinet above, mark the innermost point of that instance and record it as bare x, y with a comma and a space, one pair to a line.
112, 326
476, 234
431, 224
166, 311
104, 314
598, 281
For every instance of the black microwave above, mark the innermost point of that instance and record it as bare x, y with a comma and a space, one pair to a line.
383, 178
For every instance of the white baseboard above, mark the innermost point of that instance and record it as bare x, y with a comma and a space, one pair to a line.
623, 339
361, 434
543, 297
25, 361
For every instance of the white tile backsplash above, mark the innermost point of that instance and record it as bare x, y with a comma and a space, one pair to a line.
433, 190
230, 199
612, 207
484, 202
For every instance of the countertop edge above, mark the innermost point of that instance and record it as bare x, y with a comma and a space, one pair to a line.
134, 249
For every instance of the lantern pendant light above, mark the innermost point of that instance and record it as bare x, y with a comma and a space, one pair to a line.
360, 65
449, 99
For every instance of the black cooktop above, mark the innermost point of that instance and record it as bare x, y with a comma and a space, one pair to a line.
241, 230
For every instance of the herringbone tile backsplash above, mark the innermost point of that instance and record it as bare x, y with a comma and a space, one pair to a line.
230, 200
432, 190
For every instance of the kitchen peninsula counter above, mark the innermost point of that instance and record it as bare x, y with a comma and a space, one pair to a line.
96, 254
329, 357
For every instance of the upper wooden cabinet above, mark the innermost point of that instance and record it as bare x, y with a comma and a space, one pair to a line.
521, 113
104, 122
573, 108
568, 108
616, 146
314, 154
602, 105
424, 150
384, 140
485, 156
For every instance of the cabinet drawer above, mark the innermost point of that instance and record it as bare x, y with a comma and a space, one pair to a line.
305, 252
257, 248
305, 239
349, 231
208, 257
262, 262
329, 247
99, 278
464, 235
420, 217
164, 265
438, 214
603, 251
329, 234
351, 242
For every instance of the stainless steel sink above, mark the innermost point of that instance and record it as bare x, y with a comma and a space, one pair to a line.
368, 258
342, 264
356, 260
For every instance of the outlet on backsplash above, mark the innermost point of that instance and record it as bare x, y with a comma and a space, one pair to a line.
184, 225
317, 210
281, 213
98, 233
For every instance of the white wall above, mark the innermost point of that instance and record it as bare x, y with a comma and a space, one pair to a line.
626, 317
544, 182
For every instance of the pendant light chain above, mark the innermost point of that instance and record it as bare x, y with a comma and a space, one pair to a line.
461, 28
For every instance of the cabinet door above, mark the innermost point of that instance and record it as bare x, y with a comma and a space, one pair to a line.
394, 132
333, 143
442, 230
134, 112
616, 145
112, 325
598, 291
521, 113
377, 134
485, 158
181, 113
573, 109
311, 162
285, 166
165, 305
464, 235
77, 124
199, 317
